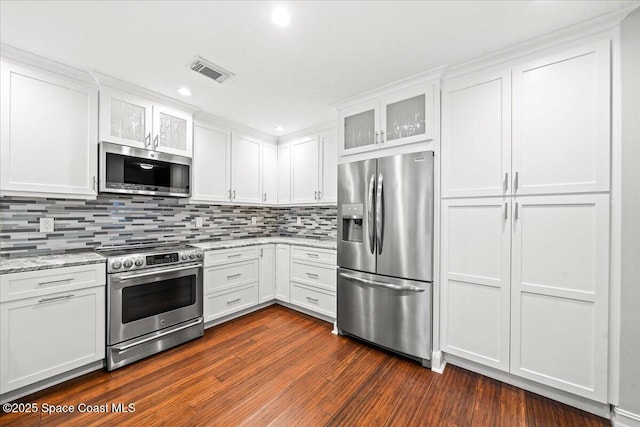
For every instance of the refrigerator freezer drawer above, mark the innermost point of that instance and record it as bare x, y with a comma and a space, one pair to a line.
393, 313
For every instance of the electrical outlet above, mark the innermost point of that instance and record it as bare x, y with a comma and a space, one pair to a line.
254, 220
199, 221
46, 225
299, 221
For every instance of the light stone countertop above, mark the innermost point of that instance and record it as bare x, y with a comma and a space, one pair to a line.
238, 243
18, 265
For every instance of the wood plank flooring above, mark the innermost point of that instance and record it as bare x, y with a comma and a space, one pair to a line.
281, 368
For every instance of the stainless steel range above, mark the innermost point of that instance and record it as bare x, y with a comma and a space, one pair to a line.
154, 299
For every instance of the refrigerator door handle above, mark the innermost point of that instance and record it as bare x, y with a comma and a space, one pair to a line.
382, 284
370, 213
380, 214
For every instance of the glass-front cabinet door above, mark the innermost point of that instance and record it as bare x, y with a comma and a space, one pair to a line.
172, 131
125, 119
407, 116
359, 128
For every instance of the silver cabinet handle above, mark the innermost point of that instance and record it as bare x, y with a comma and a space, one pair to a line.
382, 137
370, 213
233, 276
234, 194
128, 346
95, 181
312, 255
314, 300
506, 215
49, 282
264, 197
382, 284
229, 192
261, 252
515, 214
319, 194
234, 255
380, 213
377, 139
43, 300
515, 182
315, 195
147, 140
312, 275
505, 184
155, 142
233, 301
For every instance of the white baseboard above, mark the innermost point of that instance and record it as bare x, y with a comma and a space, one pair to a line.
623, 418
437, 362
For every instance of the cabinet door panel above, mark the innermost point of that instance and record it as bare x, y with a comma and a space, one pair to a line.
358, 129
283, 272
407, 116
284, 173
475, 283
561, 122
69, 331
49, 133
560, 273
211, 164
329, 169
125, 119
267, 284
476, 135
245, 170
269, 173
304, 177
172, 131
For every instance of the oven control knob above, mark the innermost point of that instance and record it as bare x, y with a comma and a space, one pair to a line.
184, 256
192, 255
199, 255
128, 263
116, 265
139, 262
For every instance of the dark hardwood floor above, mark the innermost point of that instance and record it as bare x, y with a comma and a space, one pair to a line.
282, 368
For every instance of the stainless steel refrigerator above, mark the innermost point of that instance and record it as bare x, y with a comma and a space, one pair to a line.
385, 252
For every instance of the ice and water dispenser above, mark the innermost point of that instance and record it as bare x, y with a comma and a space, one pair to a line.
352, 222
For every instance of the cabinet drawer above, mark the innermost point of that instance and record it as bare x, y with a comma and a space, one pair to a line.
315, 299
325, 256
224, 256
46, 336
313, 274
29, 284
224, 276
229, 301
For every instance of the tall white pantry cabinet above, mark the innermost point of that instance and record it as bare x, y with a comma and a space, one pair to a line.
525, 218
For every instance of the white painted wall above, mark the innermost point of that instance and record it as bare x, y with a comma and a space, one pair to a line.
629, 392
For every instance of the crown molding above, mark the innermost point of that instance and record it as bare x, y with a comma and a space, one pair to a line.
208, 118
310, 131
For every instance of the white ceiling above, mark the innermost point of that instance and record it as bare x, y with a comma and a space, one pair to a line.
284, 76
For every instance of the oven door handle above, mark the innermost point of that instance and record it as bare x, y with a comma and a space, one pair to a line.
162, 334
155, 272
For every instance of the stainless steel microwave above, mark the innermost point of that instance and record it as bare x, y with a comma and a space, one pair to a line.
132, 170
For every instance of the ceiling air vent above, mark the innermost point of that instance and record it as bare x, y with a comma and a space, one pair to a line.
210, 69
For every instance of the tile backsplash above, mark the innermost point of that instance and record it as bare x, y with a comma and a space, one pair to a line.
109, 220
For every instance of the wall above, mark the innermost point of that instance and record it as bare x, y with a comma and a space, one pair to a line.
109, 220
629, 392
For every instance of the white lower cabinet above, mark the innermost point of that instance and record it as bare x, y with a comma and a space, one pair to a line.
314, 299
525, 287
267, 289
313, 279
282, 272
229, 301
55, 329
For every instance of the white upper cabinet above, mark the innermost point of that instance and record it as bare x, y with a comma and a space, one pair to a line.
246, 178
49, 133
559, 292
561, 122
132, 120
402, 117
476, 135
269, 173
328, 178
211, 164
284, 173
304, 176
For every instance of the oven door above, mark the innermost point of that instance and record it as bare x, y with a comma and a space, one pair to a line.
142, 302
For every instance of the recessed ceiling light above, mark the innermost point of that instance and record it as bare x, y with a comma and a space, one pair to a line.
279, 128
184, 91
280, 16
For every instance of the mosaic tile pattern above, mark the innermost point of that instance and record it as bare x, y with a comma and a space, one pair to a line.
84, 224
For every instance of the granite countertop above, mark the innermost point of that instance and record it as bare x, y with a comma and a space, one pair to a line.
298, 241
18, 265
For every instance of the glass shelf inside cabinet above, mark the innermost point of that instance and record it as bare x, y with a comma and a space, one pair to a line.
359, 129
406, 118
127, 120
